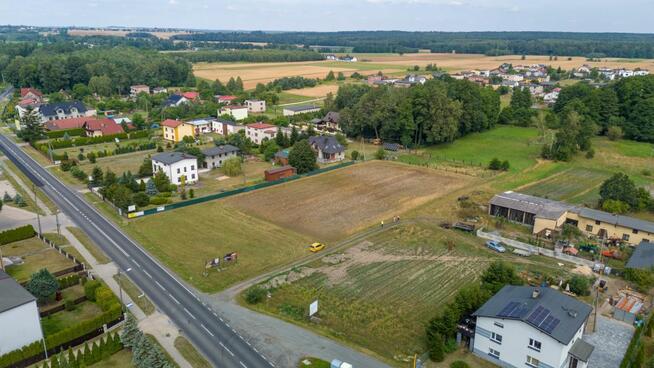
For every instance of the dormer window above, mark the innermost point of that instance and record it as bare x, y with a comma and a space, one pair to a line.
60, 111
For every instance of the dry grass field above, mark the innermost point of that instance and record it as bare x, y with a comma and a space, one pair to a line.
317, 91
336, 204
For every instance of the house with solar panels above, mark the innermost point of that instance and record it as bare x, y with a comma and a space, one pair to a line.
533, 327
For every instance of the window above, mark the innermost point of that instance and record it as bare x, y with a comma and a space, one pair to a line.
498, 324
534, 344
625, 237
184, 168
192, 167
496, 337
532, 362
192, 176
634, 231
597, 222
494, 353
589, 228
646, 240
178, 170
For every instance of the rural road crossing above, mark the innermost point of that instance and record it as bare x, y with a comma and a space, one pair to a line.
220, 343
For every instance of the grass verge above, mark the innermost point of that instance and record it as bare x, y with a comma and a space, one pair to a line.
189, 353
95, 251
135, 294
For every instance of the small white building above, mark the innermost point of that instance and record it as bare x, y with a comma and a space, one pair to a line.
201, 126
19, 316
215, 156
533, 327
238, 112
175, 165
299, 109
226, 127
139, 88
256, 105
257, 132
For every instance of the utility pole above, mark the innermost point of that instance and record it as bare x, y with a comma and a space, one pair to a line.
598, 287
120, 291
38, 217
57, 219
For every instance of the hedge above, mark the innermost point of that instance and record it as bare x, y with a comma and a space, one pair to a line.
60, 133
17, 234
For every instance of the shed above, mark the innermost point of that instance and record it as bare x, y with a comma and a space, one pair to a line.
627, 309
279, 173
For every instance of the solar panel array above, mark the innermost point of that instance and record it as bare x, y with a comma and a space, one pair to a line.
543, 319
513, 310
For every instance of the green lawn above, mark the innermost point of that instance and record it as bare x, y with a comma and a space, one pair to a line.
186, 238
313, 363
36, 255
517, 145
189, 352
28, 191
122, 359
61, 320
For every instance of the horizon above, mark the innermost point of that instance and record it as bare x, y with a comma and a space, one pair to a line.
582, 16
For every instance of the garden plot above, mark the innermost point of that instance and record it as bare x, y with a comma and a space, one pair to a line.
575, 185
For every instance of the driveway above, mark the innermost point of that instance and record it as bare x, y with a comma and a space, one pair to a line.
610, 340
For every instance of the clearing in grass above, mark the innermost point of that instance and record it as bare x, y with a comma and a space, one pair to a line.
336, 204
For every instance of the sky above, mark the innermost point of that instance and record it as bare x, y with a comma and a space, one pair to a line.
339, 15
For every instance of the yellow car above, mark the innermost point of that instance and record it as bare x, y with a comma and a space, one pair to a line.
316, 247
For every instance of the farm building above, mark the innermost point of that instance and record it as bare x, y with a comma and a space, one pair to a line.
237, 112
19, 316
215, 156
255, 105
540, 326
327, 148
642, 257
279, 173
176, 165
547, 217
300, 109
102, 127
175, 130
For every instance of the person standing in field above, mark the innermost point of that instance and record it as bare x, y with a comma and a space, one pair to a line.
382, 224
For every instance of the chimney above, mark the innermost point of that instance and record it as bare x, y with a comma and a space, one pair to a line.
535, 293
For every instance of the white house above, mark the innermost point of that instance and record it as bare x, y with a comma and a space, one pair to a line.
226, 127
238, 112
59, 111
139, 88
625, 73
175, 165
19, 316
257, 132
215, 156
641, 72
256, 105
534, 327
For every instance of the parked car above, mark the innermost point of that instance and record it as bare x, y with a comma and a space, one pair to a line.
496, 246
316, 247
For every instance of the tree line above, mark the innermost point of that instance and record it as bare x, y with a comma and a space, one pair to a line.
252, 56
627, 104
99, 69
438, 111
490, 43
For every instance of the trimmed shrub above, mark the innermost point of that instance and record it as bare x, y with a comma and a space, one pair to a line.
61, 133
17, 234
69, 304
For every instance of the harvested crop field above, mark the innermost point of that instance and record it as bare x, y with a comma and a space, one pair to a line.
333, 205
318, 91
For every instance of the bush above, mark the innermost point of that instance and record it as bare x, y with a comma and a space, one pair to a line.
69, 304
495, 164
459, 364
141, 199
159, 200
255, 295
232, 167
354, 155
579, 285
17, 234
590, 153
614, 133
42, 285
66, 282
90, 288
61, 133
105, 298
380, 154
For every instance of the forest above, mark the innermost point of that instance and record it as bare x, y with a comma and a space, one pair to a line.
625, 45
64, 66
622, 107
436, 112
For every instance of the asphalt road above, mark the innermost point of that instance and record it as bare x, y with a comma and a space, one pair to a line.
219, 342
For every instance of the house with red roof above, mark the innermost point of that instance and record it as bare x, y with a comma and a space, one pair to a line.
31, 93
225, 99
102, 127
66, 124
191, 96
176, 130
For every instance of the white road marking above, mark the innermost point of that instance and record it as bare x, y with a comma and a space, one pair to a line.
225, 347
129, 269
189, 313
206, 329
146, 272
161, 287
173, 298
245, 366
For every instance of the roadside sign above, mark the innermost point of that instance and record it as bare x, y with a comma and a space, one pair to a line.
313, 308
131, 208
